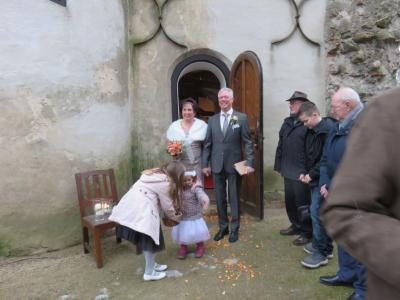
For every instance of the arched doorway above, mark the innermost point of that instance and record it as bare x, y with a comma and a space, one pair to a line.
200, 77
202, 86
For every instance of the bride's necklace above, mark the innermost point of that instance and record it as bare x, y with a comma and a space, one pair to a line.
186, 126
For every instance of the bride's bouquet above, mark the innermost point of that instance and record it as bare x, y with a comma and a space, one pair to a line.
174, 148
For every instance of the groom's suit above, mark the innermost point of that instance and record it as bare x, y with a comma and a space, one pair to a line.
224, 151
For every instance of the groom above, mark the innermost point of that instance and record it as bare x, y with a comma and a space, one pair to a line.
226, 133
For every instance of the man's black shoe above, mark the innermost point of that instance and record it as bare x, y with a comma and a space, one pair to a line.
289, 231
301, 240
355, 296
220, 234
334, 281
234, 236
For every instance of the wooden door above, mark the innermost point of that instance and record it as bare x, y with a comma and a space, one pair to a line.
246, 83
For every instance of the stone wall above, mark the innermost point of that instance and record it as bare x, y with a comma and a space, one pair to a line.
362, 42
64, 109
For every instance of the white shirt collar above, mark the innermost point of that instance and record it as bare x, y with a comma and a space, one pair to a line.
222, 117
229, 112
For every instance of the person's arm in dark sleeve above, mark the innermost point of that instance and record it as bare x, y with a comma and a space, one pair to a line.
278, 154
318, 148
323, 164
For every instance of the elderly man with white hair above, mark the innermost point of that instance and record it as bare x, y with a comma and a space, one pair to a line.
345, 107
227, 132
363, 210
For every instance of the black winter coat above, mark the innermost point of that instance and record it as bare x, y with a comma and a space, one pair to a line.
290, 158
315, 140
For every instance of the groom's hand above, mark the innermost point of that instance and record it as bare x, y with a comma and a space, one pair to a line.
207, 171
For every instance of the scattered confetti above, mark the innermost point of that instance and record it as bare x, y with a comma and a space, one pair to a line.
230, 261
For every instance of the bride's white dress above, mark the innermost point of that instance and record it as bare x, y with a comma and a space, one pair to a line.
192, 141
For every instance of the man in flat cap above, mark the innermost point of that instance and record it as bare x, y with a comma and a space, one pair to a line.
290, 162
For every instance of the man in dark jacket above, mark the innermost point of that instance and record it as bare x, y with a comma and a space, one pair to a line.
290, 162
321, 247
345, 107
363, 211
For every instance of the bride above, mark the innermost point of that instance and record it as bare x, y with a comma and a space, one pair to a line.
191, 132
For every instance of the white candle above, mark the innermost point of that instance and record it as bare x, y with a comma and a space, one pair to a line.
98, 210
97, 207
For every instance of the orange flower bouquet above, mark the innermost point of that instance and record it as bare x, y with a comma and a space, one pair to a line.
174, 148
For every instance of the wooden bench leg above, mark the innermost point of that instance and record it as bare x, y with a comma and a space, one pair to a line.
85, 237
97, 247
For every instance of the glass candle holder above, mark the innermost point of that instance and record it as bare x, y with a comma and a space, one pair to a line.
98, 209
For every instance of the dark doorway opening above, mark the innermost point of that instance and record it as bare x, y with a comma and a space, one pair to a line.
202, 86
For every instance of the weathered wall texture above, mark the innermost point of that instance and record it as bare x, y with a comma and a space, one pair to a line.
362, 40
64, 109
227, 28
78, 92
152, 69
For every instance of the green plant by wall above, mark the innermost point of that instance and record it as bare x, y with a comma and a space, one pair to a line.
5, 246
123, 175
273, 185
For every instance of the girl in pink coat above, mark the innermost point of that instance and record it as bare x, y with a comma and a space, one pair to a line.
139, 212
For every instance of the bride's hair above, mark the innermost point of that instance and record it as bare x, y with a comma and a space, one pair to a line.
190, 101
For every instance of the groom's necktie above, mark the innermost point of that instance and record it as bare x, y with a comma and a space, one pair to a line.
225, 125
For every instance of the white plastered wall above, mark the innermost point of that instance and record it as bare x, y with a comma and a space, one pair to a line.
238, 26
64, 102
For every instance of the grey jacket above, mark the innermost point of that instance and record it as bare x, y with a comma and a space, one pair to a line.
224, 151
192, 202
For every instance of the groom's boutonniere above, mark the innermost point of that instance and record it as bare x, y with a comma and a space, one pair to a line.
234, 122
